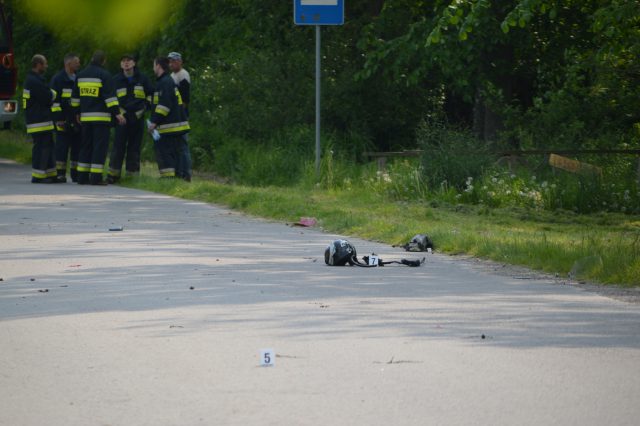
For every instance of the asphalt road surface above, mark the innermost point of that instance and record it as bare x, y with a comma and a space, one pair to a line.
163, 323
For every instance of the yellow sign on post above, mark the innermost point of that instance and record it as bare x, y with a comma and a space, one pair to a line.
573, 166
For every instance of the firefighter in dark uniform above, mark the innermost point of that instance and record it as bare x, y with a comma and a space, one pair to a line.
37, 100
134, 92
183, 81
168, 117
68, 135
98, 105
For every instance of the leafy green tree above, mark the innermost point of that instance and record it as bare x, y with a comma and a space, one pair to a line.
503, 58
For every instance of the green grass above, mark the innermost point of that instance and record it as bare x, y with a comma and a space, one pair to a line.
15, 145
602, 247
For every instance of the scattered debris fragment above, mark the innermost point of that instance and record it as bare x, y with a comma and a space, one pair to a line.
46, 290
191, 288
116, 228
393, 361
306, 221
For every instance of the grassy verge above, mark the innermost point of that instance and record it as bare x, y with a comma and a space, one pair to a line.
603, 247
15, 145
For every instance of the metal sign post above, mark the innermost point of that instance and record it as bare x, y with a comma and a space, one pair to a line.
318, 12
318, 91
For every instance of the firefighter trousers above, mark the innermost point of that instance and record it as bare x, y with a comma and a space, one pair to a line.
168, 149
43, 163
93, 152
127, 142
68, 146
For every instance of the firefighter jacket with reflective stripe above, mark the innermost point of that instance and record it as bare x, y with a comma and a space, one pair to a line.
37, 99
98, 101
63, 107
134, 94
167, 110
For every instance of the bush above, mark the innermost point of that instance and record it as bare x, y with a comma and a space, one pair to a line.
401, 181
580, 194
450, 155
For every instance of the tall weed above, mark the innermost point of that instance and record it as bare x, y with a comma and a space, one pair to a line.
451, 155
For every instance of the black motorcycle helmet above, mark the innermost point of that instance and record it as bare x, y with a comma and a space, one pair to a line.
419, 242
339, 253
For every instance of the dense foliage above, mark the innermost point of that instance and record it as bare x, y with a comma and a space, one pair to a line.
481, 75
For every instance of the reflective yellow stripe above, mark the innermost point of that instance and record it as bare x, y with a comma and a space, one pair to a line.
66, 93
53, 94
75, 102
111, 102
26, 94
39, 174
122, 92
162, 110
40, 127
97, 168
83, 167
89, 82
173, 127
95, 116
56, 107
139, 93
89, 119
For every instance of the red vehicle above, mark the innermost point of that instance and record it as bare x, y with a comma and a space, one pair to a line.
8, 72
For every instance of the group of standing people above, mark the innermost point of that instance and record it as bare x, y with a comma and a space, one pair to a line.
80, 107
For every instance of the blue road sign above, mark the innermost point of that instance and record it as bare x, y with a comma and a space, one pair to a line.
318, 12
